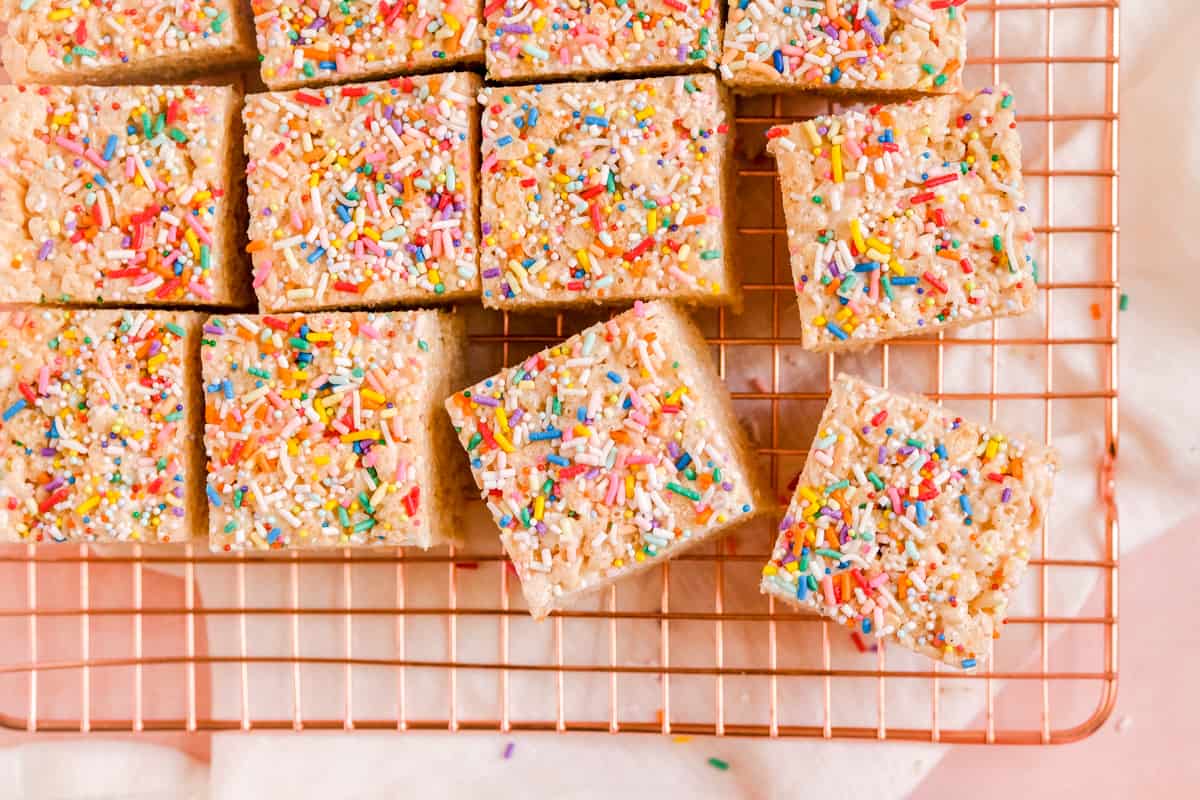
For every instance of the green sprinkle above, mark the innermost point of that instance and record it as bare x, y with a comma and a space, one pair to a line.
1007, 101
366, 98
683, 491
84, 51
1124, 302
834, 554
175, 329
309, 70
238, 495
365, 502
940, 80
833, 487
709, 255
928, 69
298, 343
875, 481
718, 763
259, 373
997, 243
177, 135
230, 526
917, 443
174, 416
424, 345
817, 199
343, 517
365, 525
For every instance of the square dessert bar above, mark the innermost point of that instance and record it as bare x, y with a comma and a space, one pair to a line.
119, 195
603, 455
111, 41
911, 523
99, 416
906, 219
845, 45
606, 192
528, 39
306, 43
364, 195
325, 429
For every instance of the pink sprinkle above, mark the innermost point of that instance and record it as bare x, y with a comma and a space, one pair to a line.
69, 145
614, 484
827, 590
261, 274
44, 380
897, 508
201, 233
200, 290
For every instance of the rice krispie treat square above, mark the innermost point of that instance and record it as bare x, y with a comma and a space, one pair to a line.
527, 39
364, 195
906, 219
325, 429
911, 523
845, 45
601, 456
119, 195
118, 41
606, 192
307, 43
99, 416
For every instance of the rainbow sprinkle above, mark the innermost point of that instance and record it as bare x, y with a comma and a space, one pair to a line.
363, 194
564, 38
588, 478
318, 429
910, 523
846, 45
306, 43
904, 219
94, 432
122, 193
603, 192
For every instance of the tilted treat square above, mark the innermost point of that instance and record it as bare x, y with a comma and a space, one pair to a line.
906, 219
364, 195
603, 455
111, 41
354, 40
325, 429
99, 416
845, 46
119, 195
606, 192
911, 523
564, 39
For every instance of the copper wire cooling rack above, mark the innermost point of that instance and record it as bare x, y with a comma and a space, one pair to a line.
175, 638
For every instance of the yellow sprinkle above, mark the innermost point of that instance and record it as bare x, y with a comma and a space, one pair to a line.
992, 448
856, 235
583, 431
808, 494
504, 443
452, 21
582, 256
769, 569
88, 505
321, 461
539, 506
60, 13
837, 164
645, 113
372, 395
878, 245
359, 436
502, 419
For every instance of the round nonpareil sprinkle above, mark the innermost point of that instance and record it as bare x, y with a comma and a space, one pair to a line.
910, 523
363, 194
94, 432
604, 191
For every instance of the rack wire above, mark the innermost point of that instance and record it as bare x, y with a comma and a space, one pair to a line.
99, 638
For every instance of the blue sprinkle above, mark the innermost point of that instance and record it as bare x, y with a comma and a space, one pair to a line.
110, 147
922, 514
559, 460
592, 119
14, 409
777, 59
968, 663
541, 436
683, 461
833, 328
213, 497
866, 266
315, 255
964, 503
907, 280
504, 140
227, 388
614, 377
343, 212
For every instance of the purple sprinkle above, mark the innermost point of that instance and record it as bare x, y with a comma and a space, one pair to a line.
786, 522
508, 749
673, 449
871, 29
215, 330
54, 484
484, 400
44, 250
727, 486
882, 455
47, 452
177, 511
905, 450
520, 27
1006, 495
515, 416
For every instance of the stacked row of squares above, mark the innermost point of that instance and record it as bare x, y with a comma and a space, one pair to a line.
596, 458
901, 219
840, 45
